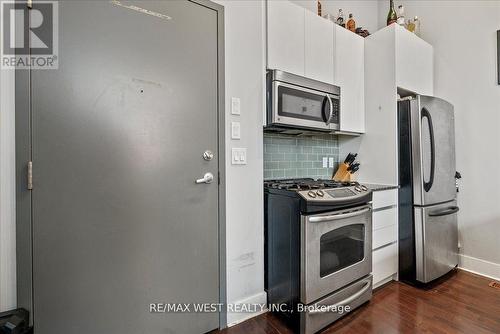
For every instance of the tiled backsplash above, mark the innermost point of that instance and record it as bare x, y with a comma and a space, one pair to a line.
291, 156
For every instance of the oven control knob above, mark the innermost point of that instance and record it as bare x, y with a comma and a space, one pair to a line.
358, 189
364, 188
320, 193
311, 194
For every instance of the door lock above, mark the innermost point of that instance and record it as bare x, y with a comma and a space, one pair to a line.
208, 155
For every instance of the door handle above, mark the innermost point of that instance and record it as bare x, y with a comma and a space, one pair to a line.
428, 185
448, 211
330, 114
207, 178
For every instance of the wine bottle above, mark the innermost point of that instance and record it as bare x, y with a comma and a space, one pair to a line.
392, 17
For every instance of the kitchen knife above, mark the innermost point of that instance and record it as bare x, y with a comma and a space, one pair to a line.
354, 169
350, 158
353, 165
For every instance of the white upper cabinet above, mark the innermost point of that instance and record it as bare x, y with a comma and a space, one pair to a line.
350, 76
414, 62
319, 44
285, 37
302, 43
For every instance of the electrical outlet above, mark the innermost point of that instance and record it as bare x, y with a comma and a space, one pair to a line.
239, 156
325, 162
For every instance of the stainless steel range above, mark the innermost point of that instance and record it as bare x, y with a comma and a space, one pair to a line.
318, 237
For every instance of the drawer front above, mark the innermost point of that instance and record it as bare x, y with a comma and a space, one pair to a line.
385, 262
385, 198
384, 236
385, 218
352, 295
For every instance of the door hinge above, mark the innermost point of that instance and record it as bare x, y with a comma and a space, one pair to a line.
30, 175
29, 4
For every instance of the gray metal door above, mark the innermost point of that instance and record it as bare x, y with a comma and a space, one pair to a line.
433, 150
119, 133
436, 242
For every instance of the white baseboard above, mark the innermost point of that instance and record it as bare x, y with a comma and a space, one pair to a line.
236, 318
480, 267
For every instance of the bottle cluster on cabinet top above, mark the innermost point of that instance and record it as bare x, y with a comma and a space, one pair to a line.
412, 25
349, 24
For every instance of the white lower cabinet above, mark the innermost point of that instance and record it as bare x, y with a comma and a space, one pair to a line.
385, 236
385, 264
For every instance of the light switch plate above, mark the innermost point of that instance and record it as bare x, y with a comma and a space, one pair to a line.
235, 130
239, 156
235, 106
325, 162
331, 162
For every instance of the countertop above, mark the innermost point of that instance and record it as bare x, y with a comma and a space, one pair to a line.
380, 187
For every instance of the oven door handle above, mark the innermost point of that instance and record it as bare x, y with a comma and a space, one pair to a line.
320, 219
348, 300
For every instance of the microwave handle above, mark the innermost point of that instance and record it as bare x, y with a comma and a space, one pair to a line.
330, 104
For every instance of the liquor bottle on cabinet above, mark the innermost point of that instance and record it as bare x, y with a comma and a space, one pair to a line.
351, 24
401, 15
340, 18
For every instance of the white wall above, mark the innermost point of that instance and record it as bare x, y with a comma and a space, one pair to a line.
463, 34
7, 193
245, 78
364, 11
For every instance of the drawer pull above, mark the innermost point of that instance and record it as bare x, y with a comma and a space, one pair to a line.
345, 301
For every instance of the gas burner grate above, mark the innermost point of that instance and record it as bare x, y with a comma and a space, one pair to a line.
306, 184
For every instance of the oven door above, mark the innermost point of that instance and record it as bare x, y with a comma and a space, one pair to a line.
336, 250
296, 106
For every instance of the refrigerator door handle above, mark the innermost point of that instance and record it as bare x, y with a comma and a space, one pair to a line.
447, 211
426, 114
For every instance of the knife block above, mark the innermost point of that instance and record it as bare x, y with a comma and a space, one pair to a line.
342, 174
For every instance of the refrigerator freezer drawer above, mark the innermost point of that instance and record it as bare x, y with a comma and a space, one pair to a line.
436, 240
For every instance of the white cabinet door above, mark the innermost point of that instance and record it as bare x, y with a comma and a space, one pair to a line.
318, 48
385, 263
385, 198
414, 63
285, 36
350, 76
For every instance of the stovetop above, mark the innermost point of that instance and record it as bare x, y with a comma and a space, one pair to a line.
320, 194
307, 184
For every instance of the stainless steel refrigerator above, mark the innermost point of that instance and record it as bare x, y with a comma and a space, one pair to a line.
428, 232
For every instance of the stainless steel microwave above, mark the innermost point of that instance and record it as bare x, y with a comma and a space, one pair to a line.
301, 103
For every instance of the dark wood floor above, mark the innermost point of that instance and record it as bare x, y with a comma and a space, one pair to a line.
462, 303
